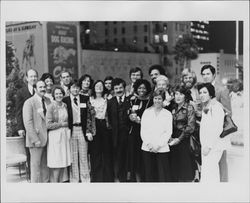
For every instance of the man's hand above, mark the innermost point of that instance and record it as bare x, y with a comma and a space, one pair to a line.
38, 143
89, 136
21, 133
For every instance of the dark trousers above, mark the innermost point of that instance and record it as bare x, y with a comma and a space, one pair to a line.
120, 158
28, 157
223, 167
101, 154
157, 167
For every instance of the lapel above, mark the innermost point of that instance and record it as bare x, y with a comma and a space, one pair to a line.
38, 107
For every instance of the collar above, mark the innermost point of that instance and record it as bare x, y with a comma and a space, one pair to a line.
30, 88
72, 97
213, 83
38, 97
123, 98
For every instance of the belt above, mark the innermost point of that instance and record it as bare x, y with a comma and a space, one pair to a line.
77, 124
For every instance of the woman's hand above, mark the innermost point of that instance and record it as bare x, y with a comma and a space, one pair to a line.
206, 151
173, 141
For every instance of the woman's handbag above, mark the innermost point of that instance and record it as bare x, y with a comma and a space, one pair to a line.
228, 126
195, 146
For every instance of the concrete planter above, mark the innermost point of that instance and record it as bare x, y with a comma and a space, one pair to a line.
15, 145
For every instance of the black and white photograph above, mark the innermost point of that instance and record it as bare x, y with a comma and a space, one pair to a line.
124, 101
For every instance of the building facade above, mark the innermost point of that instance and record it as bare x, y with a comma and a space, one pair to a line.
225, 65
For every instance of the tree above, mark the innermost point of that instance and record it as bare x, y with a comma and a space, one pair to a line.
14, 81
186, 49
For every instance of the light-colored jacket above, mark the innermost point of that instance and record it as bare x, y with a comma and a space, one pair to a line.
34, 121
156, 129
211, 126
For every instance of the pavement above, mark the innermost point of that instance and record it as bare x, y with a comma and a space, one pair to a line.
236, 160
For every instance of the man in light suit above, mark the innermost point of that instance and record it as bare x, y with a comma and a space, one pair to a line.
22, 95
208, 73
34, 111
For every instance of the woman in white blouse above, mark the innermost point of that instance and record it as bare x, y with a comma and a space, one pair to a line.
100, 147
211, 126
156, 129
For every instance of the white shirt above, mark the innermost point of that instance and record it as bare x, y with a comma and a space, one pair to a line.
156, 129
31, 89
75, 109
123, 98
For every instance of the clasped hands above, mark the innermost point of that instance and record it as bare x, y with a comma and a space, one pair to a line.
89, 136
153, 148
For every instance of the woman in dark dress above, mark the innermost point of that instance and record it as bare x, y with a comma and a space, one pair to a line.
182, 162
139, 102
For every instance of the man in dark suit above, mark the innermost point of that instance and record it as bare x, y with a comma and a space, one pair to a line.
118, 109
208, 73
22, 95
82, 124
65, 80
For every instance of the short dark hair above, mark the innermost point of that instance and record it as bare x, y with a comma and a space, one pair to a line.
212, 69
157, 67
56, 88
183, 90
82, 78
134, 70
74, 82
47, 75
118, 81
210, 88
30, 70
93, 88
159, 92
108, 78
139, 82
65, 71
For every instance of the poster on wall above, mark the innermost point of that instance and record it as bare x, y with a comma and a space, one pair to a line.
24, 46
62, 48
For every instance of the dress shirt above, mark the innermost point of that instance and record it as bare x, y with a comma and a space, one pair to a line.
118, 98
31, 89
156, 129
75, 109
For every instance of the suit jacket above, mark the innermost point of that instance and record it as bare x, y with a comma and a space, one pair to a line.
112, 110
87, 115
222, 95
35, 121
22, 95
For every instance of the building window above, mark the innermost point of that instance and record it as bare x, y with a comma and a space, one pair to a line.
115, 40
123, 40
145, 39
135, 28
145, 49
145, 28
123, 30
176, 26
106, 32
115, 31
106, 41
114, 22
135, 40
106, 22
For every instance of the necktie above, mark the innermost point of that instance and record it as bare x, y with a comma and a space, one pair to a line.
120, 100
75, 101
44, 108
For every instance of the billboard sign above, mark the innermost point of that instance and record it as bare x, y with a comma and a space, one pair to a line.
62, 48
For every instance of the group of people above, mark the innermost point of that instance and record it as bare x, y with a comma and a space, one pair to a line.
107, 131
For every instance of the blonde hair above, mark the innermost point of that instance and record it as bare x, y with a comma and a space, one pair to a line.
162, 77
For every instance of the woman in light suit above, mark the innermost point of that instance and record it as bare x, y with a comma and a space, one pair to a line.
211, 126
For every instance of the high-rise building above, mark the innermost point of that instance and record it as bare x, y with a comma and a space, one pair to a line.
137, 36
200, 32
